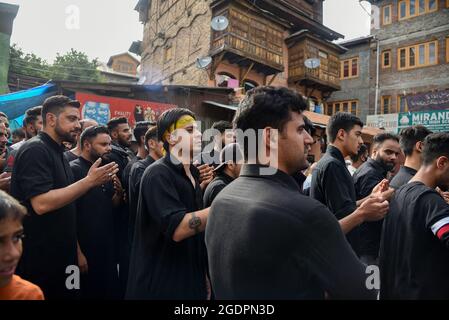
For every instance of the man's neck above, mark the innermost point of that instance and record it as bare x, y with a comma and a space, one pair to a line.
77, 149
340, 148
413, 162
228, 172
53, 135
142, 153
5, 282
426, 175
153, 155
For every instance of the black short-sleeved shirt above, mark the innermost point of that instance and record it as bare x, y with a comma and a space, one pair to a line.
404, 175
135, 176
414, 255
215, 187
70, 156
95, 229
161, 268
127, 173
332, 185
50, 243
366, 178
266, 240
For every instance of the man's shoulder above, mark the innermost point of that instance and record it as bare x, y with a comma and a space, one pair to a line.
27, 290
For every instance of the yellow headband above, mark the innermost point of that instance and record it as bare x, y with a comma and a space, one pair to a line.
182, 122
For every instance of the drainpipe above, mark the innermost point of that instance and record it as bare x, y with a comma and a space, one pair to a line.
376, 103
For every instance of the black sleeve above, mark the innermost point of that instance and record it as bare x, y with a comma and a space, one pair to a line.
160, 194
211, 193
337, 194
340, 272
437, 215
33, 172
365, 185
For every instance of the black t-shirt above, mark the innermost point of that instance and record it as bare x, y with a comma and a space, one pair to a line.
332, 185
366, 178
266, 240
50, 243
135, 176
70, 156
95, 229
414, 254
161, 268
215, 187
404, 175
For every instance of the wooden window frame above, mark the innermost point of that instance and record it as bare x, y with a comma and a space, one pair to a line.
447, 44
350, 76
333, 105
382, 104
384, 66
385, 22
417, 56
398, 104
427, 9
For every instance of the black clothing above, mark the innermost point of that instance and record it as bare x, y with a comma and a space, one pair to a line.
404, 175
161, 268
70, 156
215, 187
266, 240
367, 176
211, 158
50, 243
332, 185
95, 229
414, 256
135, 177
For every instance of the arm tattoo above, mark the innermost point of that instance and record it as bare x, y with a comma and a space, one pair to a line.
194, 222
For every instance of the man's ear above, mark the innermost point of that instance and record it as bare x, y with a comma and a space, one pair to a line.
341, 134
51, 119
442, 162
418, 146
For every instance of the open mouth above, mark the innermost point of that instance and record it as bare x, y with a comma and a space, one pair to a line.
9, 271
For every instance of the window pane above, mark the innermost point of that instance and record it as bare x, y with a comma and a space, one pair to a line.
432, 56
412, 7
354, 67
422, 6
386, 103
354, 108
402, 58
387, 58
402, 104
412, 57
337, 107
329, 110
345, 69
387, 14
402, 9
345, 107
432, 4
422, 54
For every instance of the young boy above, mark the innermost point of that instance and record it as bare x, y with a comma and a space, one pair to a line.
12, 287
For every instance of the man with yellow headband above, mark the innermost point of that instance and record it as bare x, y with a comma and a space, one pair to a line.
168, 256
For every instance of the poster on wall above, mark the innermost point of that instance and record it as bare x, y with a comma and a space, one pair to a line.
103, 108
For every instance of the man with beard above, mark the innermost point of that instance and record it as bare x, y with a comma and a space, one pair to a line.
371, 173
155, 152
95, 222
43, 182
265, 240
76, 152
168, 256
121, 135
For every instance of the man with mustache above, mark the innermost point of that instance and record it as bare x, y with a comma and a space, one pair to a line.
371, 173
43, 182
95, 223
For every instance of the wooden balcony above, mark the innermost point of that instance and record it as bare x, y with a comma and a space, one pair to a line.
320, 78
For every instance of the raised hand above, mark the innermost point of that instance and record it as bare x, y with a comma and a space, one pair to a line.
99, 175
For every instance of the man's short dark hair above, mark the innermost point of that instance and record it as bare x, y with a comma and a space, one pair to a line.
10, 208
362, 151
222, 126
151, 134
19, 132
115, 122
56, 105
435, 145
140, 129
384, 136
91, 132
341, 120
410, 136
169, 117
31, 115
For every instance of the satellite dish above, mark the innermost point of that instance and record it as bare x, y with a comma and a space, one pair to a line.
219, 23
312, 63
203, 62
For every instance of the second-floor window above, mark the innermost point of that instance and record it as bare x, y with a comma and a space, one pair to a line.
350, 106
386, 105
412, 8
386, 59
349, 68
402, 104
386, 14
420, 55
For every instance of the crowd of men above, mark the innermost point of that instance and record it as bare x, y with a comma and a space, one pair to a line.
174, 220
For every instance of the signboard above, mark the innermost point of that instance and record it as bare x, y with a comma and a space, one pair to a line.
389, 122
436, 121
103, 108
428, 101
